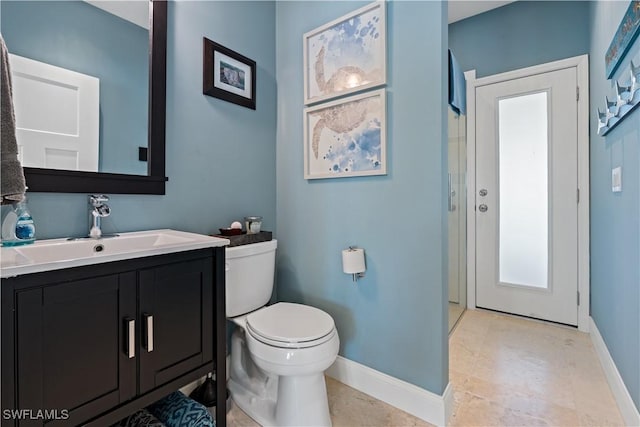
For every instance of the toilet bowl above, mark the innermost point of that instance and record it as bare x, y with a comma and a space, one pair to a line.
279, 352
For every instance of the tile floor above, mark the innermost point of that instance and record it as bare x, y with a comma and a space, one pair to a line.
506, 371
509, 371
349, 408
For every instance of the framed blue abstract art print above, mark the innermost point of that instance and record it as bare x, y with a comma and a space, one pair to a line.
347, 137
346, 55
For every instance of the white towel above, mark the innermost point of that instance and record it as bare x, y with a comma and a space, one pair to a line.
12, 183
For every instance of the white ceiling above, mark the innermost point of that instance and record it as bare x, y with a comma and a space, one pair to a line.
136, 11
461, 9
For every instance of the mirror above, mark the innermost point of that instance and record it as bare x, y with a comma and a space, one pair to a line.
131, 117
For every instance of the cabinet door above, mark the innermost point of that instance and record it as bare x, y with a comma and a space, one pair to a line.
176, 318
71, 348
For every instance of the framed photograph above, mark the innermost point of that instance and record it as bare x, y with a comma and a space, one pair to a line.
228, 75
346, 55
623, 38
346, 137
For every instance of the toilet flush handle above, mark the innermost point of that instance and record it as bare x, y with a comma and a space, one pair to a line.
226, 266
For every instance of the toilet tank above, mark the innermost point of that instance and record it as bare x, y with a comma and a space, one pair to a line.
250, 271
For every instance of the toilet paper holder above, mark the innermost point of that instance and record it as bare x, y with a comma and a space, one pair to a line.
353, 262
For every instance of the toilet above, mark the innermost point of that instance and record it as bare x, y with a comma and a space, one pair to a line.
279, 352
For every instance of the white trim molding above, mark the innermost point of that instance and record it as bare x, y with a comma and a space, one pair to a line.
627, 408
581, 64
470, 77
428, 406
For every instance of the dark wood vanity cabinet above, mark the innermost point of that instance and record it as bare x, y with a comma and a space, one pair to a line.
93, 344
176, 300
66, 357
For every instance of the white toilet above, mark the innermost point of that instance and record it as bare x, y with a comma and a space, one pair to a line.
278, 353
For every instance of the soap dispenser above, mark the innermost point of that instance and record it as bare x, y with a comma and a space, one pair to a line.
18, 227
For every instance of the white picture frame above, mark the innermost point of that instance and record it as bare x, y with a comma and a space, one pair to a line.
358, 63
346, 137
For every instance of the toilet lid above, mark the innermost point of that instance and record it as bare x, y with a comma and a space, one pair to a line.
290, 323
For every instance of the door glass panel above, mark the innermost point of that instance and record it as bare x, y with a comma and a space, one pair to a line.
523, 181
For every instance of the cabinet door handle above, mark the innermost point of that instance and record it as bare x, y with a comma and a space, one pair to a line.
148, 322
130, 337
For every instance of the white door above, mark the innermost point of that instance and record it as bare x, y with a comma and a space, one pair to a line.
57, 116
526, 196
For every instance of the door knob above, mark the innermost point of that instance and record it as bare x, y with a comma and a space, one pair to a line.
482, 208
482, 192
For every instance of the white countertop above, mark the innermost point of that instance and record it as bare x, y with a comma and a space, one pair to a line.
56, 254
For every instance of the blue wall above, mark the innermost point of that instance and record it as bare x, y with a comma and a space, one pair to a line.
80, 37
221, 163
394, 320
521, 34
615, 217
220, 156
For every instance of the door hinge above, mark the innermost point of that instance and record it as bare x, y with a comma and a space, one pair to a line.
578, 297
577, 93
578, 195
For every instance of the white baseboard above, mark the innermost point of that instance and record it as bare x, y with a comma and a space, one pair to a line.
428, 406
628, 409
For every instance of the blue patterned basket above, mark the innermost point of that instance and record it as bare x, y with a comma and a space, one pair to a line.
177, 410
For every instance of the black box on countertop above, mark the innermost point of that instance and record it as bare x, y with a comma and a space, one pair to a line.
247, 239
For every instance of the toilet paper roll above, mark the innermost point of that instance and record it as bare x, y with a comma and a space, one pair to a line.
353, 261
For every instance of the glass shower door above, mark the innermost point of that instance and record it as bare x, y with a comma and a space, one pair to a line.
457, 216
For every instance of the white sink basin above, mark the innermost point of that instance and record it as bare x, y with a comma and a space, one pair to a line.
55, 254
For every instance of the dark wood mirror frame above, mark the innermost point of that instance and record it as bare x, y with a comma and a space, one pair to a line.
63, 181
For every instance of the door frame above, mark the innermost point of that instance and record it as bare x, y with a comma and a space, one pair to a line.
581, 63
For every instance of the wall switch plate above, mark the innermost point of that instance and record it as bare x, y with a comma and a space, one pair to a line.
142, 154
616, 179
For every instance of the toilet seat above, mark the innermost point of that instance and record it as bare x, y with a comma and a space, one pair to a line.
288, 325
289, 344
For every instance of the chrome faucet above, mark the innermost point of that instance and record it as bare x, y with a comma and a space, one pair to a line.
98, 209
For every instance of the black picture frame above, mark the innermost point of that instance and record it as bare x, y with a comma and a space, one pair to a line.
228, 80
